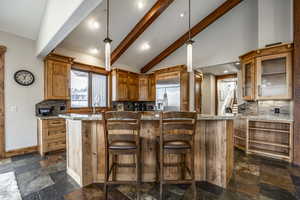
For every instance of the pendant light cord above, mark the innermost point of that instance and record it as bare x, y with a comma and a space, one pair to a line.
189, 19
107, 19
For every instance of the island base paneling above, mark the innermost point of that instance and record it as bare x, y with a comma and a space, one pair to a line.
213, 152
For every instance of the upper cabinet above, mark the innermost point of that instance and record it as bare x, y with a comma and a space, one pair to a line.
274, 76
129, 86
248, 80
267, 73
57, 77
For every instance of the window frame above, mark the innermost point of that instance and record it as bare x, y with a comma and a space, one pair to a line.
90, 70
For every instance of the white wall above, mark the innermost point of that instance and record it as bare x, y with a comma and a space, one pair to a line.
60, 18
20, 120
275, 21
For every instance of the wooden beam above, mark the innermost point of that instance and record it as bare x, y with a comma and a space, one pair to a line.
296, 82
158, 8
203, 24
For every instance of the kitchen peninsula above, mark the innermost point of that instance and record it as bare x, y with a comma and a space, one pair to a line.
85, 149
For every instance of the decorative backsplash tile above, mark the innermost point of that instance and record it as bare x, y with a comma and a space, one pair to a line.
283, 108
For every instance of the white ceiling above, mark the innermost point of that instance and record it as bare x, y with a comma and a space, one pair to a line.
124, 16
22, 17
222, 42
223, 69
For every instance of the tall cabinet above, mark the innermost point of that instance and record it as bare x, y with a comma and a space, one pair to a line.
57, 77
267, 73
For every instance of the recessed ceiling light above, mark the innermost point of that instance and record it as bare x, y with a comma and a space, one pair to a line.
94, 51
94, 24
181, 15
237, 63
140, 5
145, 46
226, 71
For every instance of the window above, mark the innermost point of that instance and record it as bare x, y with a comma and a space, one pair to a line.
88, 89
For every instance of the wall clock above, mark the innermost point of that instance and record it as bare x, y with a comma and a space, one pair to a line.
24, 77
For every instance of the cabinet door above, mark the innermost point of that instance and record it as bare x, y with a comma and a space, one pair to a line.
143, 88
274, 77
151, 88
122, 87
57, 80
248, 73
133, 87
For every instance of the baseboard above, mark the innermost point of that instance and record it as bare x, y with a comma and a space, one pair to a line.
21, 151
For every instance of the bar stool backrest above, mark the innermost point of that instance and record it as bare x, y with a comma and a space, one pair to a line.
177, 126
121, 126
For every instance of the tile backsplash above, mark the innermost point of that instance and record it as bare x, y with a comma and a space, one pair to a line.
267, 108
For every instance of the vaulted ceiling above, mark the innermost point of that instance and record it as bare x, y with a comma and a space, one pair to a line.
16, 18
167, 28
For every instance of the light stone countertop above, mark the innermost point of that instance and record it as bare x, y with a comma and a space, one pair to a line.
271, 118
144, 117
47, 117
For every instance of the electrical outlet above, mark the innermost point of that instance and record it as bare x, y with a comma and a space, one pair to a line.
277, 110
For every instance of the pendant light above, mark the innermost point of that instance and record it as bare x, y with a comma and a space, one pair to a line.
107, 41
190, 45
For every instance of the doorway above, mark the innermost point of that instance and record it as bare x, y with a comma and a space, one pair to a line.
2, 133
226, 100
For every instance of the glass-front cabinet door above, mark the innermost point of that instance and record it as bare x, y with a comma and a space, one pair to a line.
248, 73
274, 76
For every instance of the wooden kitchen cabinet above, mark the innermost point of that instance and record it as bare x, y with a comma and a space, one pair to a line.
129, 86
267, 73
248, 80
133, 87
57, 77
51, 135
147, 88
274, 76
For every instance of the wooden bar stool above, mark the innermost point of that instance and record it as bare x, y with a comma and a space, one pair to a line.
118, 143
177, 130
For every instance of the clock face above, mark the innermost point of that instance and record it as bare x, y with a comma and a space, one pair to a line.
24, 77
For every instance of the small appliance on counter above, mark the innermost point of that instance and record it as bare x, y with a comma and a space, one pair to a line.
134, 106
50, 108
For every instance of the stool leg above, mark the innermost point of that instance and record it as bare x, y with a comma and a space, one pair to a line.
138, 177
161, 163
183, 166
114, 162
193, 173
106, 174
157, 164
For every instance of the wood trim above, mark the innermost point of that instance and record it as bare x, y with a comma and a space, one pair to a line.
203, 24
296, 83
60, 58
159, 7
2, 102
221, 77
89, 68
21, 151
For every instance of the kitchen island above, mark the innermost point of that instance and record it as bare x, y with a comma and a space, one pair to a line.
85, 150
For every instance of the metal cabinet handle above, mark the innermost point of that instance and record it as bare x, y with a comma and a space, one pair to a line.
259, 90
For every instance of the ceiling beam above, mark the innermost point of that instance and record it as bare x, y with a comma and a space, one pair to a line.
203, 24
158, 8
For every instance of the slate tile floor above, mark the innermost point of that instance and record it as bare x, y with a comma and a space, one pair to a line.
254, 178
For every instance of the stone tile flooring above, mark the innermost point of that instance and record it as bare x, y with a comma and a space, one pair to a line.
254, 178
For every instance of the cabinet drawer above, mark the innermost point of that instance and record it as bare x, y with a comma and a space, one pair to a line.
55, 132
56, 145
56, 122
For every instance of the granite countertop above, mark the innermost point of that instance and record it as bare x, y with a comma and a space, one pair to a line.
144, 117
47, 117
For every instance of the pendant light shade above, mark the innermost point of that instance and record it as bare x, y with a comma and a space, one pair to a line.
189, 56
190, 42
107, 42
